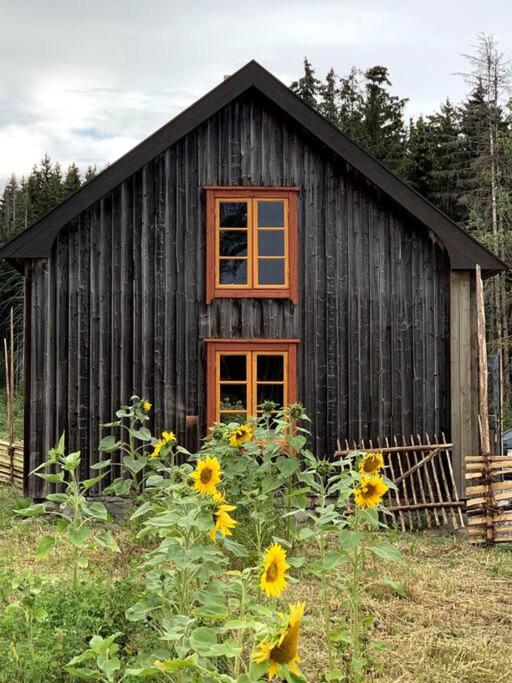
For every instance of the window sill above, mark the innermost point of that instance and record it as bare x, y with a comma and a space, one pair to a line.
252, 293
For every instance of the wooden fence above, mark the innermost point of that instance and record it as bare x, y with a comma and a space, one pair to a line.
11, 462
421, 469
489, 498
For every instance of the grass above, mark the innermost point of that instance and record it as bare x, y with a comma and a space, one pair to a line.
18, 414
452, 626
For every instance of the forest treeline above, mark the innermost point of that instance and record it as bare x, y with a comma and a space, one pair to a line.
458, 156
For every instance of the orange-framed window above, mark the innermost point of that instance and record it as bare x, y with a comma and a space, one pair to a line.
243, 374
251, 242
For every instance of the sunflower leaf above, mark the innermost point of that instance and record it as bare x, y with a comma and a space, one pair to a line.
350, 539
396, 586
203, 640
387, 551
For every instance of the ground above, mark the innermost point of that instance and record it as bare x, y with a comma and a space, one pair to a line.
453, 625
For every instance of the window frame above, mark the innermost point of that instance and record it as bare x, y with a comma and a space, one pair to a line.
214, 195
217, 347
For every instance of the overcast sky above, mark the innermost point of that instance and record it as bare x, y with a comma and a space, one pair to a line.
85, 81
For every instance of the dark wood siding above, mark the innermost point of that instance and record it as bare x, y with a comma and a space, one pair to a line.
119, 307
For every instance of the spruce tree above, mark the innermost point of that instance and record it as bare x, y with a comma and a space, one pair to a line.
448, 160
72, 182
350, 105
419, 160
90, 173
328, 105
307, 87
383, 129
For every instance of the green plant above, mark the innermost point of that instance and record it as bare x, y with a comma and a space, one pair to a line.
142, 457
260, 473
75, 515
25, 589
354, 518
102, 653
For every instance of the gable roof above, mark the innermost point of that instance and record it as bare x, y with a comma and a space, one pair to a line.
464, 251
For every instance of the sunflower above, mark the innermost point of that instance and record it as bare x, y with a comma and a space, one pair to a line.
273, 580
224, 522
168, 437
207, 475
218, 497
241, 435
370, 492
146, 406
283, 651
156, 449
371, 464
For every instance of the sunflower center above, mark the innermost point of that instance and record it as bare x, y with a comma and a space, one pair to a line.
272, 571
287, 650
369, 490
206, 475
370, 464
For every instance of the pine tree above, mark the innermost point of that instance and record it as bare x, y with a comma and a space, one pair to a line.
307, 87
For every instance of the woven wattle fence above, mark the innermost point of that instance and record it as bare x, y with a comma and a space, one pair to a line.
11, 463
489, 498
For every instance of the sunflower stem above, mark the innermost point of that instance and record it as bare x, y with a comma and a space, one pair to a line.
325, 606
355, 663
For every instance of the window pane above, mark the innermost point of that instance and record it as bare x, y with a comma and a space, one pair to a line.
239, 418
271, 242
233, 272
270, 392
271, 214
233, 215
233, 396
233, 243
269, 368
271, 271
233, 368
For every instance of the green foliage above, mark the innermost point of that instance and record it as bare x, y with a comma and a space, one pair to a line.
75, 516
97, 606
142, 458
260, 475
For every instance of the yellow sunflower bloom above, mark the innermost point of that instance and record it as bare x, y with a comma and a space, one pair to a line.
371, 464
207, 475
168, 437
370, 492
285, 650
274, 580
218, 497
146, 405
241, 435
224, 522
156, 449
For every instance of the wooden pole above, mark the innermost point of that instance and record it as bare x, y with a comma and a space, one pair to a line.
482, 365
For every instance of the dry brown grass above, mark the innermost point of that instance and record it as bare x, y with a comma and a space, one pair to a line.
454, 626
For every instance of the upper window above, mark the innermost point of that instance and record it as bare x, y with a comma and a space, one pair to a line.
251, 242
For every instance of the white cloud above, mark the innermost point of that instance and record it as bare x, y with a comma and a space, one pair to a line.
86, 81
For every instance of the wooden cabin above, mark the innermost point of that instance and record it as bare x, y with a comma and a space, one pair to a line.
249, 250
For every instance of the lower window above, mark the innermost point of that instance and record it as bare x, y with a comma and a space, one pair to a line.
243, 374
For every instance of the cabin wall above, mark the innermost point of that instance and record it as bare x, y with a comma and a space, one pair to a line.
119, 307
